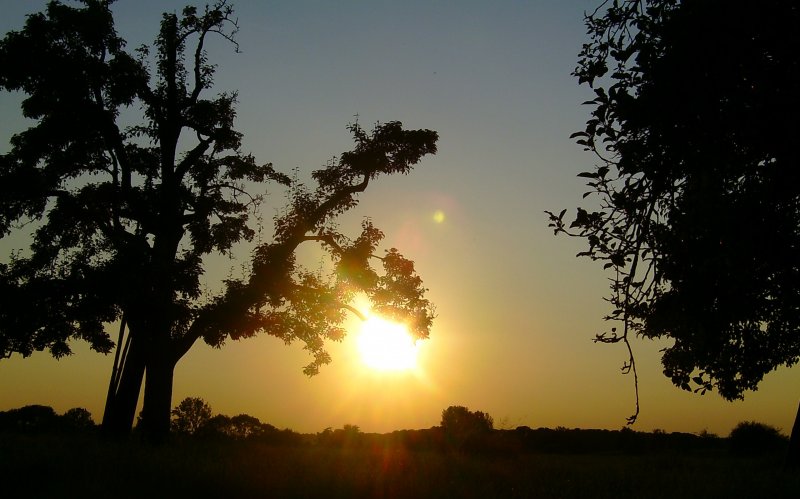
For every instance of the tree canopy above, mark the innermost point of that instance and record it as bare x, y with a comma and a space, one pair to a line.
43, 419
463, 428
697, 199
124, 215
190, 415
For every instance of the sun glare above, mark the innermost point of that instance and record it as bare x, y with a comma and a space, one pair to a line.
386, 345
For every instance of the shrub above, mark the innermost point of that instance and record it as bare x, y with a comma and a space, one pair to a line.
465, 429
752, 438
77, 419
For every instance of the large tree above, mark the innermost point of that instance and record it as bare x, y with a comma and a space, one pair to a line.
123, 217
698, 185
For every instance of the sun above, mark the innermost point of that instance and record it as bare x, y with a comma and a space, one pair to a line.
386, 345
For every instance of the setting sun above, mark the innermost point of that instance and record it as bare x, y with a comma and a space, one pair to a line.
386, 345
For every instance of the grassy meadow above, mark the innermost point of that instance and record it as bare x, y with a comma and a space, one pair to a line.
86, 466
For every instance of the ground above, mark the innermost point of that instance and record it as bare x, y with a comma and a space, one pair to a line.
87, 466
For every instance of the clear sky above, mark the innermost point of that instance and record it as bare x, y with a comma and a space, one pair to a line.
516, 310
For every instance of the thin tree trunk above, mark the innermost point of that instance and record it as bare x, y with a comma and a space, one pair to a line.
122, 400
793, 454
116, 370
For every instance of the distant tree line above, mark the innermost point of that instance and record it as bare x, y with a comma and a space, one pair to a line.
193, 418
460, 431
42, 419
473, 432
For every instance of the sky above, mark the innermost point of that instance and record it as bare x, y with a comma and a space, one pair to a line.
516, 310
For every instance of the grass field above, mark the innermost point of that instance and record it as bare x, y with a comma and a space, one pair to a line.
86, 467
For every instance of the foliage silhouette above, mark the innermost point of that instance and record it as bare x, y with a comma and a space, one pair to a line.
465, 429
190, 415
30, 419
215, 426
124, 217
346, 436
240, 427
699, 206
751, 438
43, 419
243, 426
78, 419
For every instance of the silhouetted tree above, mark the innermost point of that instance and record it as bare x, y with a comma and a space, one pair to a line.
216, 426
77, 419
124, 216
463, 428
347, 436
30, 418
244, 426
42, 418
753, 438
694, 122
190, 414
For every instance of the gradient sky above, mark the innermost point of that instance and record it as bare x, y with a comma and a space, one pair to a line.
516, 310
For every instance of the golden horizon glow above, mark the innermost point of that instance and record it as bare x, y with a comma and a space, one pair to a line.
386, 346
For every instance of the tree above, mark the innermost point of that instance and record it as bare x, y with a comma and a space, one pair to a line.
753, 438
698, 220
77, 419
244, 426
190, 415
239, 427
215, 427
347, 436
30, 419
124, 216
464, 428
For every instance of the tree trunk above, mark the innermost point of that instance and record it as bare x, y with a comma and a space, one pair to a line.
158, 397
793, 454
121, 404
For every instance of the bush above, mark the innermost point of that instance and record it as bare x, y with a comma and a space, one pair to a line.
465, 429
77, 419
750, 438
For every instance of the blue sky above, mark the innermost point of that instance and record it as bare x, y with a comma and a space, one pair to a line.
516, 309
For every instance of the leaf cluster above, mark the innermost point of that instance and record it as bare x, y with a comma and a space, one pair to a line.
285, 300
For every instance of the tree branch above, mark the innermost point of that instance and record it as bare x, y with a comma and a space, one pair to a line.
336, 303
191, 157
326, 239
336, 198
